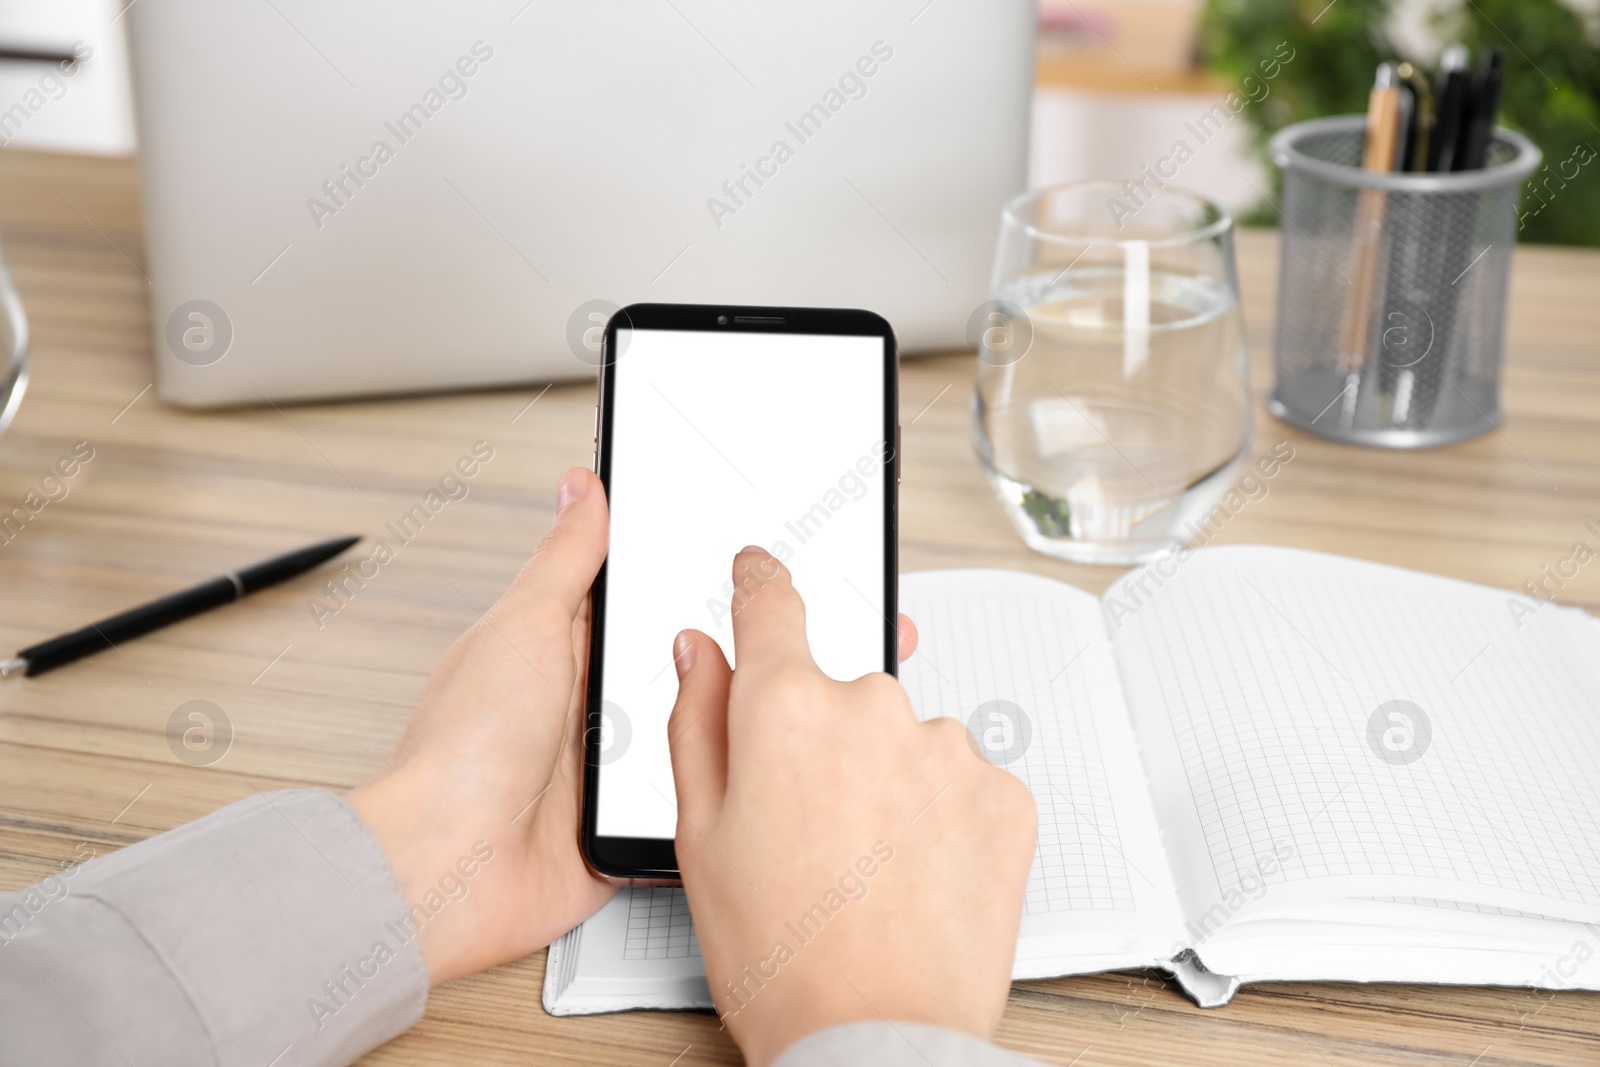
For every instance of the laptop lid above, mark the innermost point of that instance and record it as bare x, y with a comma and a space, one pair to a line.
365, 198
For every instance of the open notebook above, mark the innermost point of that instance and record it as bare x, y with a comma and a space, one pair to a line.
1254, 764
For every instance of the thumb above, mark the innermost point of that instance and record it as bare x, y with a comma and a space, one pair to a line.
564, 565
697, 732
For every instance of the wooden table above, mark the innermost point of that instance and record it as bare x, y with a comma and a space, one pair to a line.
171, 497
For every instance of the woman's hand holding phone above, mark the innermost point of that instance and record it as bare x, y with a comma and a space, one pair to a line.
844, 862
491, 763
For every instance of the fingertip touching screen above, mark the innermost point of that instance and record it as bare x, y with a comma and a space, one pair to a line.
718, 440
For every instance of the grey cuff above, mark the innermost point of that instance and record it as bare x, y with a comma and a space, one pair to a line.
884, 1044
270, 932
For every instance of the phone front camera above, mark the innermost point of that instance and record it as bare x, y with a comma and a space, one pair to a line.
722, 320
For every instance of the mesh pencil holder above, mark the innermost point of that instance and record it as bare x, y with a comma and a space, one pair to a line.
1392, 289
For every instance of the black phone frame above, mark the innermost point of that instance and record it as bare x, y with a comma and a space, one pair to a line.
653, 859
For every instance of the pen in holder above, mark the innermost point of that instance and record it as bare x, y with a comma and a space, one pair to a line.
1392, 289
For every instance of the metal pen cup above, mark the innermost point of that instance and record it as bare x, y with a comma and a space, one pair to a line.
1400, 347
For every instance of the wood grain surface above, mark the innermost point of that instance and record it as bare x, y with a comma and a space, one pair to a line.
172, 497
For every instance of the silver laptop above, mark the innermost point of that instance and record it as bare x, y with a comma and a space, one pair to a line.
360, 198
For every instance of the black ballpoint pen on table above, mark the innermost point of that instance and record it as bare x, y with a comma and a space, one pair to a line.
97, 637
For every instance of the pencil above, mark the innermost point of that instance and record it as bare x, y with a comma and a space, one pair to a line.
1383, 118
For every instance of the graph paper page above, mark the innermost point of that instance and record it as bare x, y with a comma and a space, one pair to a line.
1024, 662
638, 951
1317, 727
1099, 895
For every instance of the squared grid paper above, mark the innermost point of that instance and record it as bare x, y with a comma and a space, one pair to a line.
1269, 691
659, 927
979, 643
1460, 905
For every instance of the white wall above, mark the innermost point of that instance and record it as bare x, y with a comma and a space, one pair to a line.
1082, 136
88, 112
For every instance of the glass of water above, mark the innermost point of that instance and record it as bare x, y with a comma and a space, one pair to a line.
13, 349
1112, 410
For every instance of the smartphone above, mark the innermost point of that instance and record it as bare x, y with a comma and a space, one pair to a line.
720, 427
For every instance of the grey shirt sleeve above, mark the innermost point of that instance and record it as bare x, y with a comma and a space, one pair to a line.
271, 932
884, 1044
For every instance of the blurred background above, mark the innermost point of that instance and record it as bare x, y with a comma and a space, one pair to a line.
1116, 79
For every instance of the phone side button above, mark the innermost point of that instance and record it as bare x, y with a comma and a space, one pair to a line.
897, 454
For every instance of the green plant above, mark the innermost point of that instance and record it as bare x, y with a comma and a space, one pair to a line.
1552, 83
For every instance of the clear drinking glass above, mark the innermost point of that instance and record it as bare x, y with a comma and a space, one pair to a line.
13, 349
1112, 409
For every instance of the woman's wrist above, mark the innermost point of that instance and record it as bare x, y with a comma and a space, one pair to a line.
431, 865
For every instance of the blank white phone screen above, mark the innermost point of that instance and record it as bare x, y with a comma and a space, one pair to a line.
718, 441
